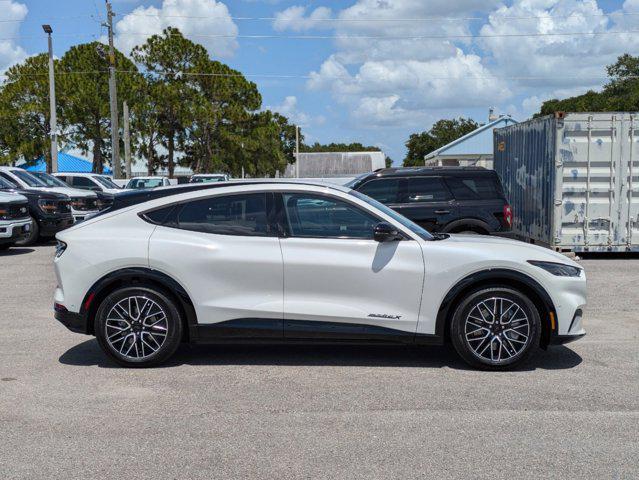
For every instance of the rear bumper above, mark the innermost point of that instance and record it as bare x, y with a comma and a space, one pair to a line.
76, 322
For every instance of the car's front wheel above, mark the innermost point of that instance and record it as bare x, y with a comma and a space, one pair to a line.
495, 328
138, 326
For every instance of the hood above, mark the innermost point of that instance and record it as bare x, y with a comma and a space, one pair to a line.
493, 245
11, 197
36, 194
70, 192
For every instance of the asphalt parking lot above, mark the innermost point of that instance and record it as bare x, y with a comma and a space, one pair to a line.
315, 412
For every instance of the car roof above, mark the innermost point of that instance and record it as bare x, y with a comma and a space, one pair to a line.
409, 171
147, 177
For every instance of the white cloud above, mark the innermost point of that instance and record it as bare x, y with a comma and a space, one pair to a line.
215, 19
295, 19
10, 52
290, 109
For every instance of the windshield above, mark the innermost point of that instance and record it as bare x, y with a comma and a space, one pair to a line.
105, 181
144, 183
29, 179
217, 178
413, 227
50, 180
4, 183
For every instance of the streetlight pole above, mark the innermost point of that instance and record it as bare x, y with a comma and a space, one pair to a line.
113, 98
53, 122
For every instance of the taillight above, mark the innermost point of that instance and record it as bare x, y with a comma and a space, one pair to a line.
508, 215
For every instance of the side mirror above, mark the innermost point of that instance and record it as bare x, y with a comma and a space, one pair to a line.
385, 232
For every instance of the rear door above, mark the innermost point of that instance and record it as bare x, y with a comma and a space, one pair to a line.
480, 197
230, 262
427, 202
338, 281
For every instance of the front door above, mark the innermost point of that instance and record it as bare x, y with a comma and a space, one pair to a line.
338, 281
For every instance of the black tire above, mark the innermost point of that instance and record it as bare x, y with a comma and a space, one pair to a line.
5, 246
32, 237
138, 334
515, 337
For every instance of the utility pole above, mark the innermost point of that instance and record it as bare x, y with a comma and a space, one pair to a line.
297, 151
127, 141
53, 121
113, 98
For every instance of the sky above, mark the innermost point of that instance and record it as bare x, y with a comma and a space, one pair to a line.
369, 71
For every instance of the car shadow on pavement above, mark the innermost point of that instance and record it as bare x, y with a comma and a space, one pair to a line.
89, 353
15, 251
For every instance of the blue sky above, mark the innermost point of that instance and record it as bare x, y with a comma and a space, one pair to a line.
380, 69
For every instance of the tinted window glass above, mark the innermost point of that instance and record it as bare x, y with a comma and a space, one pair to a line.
322, 217
83, 182
29, 179
5, 182
383, 190
160, 215
227, 215
50, 180
474, 188
427, 189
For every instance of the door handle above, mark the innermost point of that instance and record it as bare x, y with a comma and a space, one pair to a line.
442, 211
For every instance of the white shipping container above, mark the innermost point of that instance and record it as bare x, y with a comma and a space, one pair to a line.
572, 180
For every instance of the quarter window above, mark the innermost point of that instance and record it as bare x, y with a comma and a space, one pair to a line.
226, 215
383, 190
316, 216
427, 189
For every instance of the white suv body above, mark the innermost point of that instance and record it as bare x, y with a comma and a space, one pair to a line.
15, 221
147, 182
83, 203
263, 262
89, 181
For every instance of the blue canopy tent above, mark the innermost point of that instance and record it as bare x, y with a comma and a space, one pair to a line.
66, 163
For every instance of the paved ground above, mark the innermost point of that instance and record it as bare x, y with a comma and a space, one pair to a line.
315, 412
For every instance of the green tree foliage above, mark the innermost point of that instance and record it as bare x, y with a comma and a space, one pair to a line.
338, 147
84, 104
441, 133
24, 112
621, 93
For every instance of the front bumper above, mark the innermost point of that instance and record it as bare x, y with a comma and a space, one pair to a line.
50, 226
14, 230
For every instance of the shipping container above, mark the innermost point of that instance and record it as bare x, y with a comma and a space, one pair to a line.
572, 180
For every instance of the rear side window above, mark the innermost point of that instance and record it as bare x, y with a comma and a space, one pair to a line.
474, 188
226, 215
427, 189
384, 190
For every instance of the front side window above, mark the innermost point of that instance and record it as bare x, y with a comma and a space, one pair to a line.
317, 216
226, 215
385, 190
105, 181
427, 189
84, 183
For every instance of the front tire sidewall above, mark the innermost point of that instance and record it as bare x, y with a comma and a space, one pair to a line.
174, 326
467, 304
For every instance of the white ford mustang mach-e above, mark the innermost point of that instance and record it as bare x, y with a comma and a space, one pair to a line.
254, 262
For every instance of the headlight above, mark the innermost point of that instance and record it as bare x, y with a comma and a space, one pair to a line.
60, 248
559, 269
48, 206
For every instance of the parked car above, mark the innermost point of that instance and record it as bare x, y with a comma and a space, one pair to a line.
105, 199
14, 219
442, 199
293, 262
83, 203
49, 212
147, 182
89, 181
209, 178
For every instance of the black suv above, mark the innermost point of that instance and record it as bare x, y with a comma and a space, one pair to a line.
50, 212
441, 199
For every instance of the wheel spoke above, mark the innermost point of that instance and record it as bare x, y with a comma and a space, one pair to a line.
136, 327
497, 329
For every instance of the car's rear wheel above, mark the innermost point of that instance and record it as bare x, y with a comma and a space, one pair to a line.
495, 328
138, 326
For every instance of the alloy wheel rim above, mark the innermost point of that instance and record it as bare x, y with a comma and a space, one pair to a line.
497, 330
136, 327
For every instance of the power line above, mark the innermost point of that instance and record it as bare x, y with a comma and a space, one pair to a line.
357, 37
